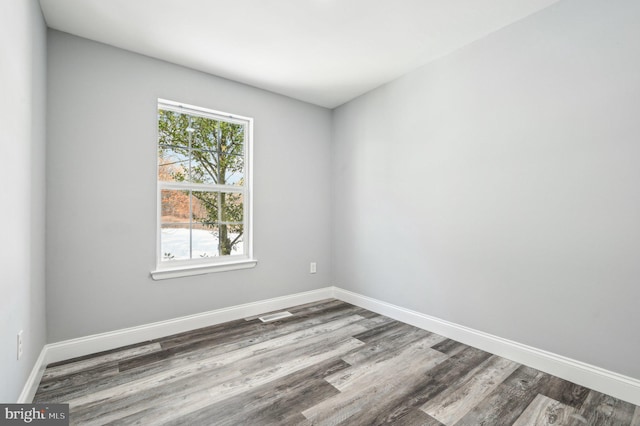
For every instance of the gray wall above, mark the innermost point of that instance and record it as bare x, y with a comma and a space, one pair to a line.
101, 208
499, 187
22, 137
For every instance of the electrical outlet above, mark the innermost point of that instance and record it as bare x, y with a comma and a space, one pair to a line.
312, 268
19, 344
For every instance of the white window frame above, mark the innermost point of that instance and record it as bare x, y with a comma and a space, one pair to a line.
181, 268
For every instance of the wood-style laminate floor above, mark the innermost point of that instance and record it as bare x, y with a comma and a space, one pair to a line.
330, 363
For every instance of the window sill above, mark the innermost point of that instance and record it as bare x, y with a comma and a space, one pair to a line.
187, 271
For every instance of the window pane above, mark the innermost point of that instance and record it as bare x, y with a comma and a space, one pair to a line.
173, 129
175, 206
232, 169
205, 133
175, 241
230, 240
232, 207
212, 168
204, 167
231, 237
205, 240
173, 164
211, 208
205, 207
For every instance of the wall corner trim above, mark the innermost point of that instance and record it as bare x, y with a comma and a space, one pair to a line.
590, 376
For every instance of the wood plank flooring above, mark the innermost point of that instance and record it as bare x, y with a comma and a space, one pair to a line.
330, 363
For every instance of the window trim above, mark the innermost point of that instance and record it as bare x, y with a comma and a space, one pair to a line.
182, 268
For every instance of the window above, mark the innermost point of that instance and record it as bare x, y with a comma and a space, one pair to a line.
204, 191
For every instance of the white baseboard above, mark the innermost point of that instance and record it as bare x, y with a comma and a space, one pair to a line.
590, 376
599, 379
31, 386
67, 349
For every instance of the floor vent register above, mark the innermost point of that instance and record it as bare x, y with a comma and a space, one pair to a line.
276, 316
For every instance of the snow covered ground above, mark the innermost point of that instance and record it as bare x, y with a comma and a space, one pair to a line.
205, 243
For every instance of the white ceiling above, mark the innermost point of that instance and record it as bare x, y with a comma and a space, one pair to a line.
321, 51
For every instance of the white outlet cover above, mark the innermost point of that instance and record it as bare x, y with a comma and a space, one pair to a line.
19, 344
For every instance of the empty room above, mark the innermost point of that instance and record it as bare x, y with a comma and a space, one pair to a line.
320, 212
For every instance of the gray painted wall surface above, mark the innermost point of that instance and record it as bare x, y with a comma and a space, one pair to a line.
101, 182
499, 187
22, 142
